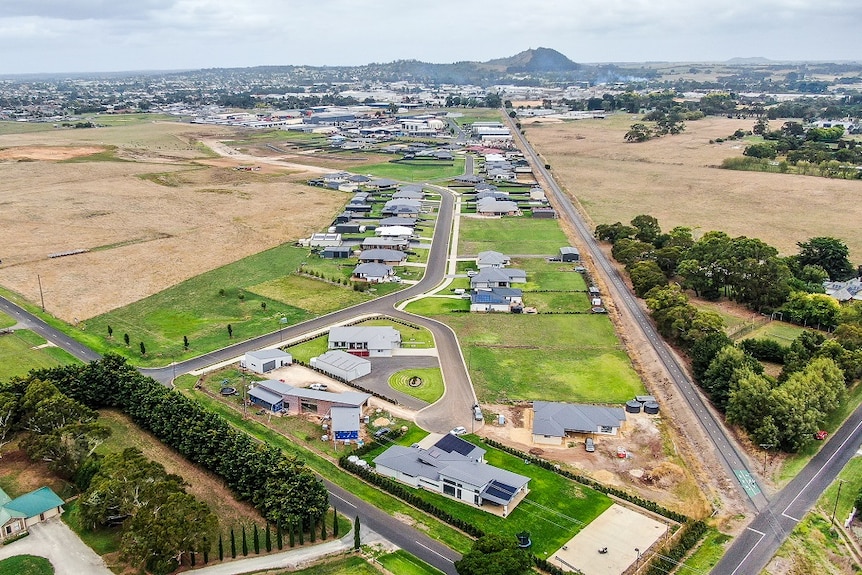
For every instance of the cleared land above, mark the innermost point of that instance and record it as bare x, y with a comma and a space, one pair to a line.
24, 350
153, 206
674, 178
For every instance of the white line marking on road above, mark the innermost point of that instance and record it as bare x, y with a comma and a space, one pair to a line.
789, 517
434, 552
343, 499
750, 551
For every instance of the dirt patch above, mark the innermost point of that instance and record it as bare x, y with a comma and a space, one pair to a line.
48, 153
148, 224
20, 475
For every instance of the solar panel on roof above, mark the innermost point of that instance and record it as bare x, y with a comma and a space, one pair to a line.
507, 488
450, 443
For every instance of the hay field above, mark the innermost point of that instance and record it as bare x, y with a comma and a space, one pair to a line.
674, 179
152, 206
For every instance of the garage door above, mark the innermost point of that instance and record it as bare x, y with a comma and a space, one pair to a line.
269, 366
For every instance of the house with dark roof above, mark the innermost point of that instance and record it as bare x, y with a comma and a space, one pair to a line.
336, 252
844, 291
19, 514
365, 340
373, 273
497, 278
553, 422
492, 259
496, 300
398, 221
383, 256
455, 468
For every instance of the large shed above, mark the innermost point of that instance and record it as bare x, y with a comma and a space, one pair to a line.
264, 360
341, 364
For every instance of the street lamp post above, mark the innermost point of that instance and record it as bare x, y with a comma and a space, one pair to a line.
765, 447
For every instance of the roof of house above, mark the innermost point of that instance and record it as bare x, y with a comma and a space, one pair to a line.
373, 270
340, 359
394, 231
267, 354
382, 255
403, 202
263, 394
569, 250
495, 206
491, 258
385, 242
344, 418
397, 221
272, 390
377, 336
497, 296
33, 503
408, 195
555, 419
337, 249
487, 275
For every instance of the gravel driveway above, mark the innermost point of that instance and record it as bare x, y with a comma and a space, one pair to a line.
57, 543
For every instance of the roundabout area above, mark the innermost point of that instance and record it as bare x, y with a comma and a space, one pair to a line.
422, 383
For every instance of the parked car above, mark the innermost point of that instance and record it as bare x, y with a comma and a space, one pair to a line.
477, 413
382, 432
589, 445
318, 386
471, 273
460, 430
821, 435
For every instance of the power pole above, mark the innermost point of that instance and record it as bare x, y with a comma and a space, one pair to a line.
41, 295
837, 495
765, 447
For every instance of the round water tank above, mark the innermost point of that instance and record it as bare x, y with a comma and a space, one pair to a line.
352, 459
362, 463
651, 408
633, 406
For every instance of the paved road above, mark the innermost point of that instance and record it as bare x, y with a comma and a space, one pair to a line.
751, 551
54, 541
56, 337
728, 453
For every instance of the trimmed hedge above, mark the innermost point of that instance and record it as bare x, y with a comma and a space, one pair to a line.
691, 533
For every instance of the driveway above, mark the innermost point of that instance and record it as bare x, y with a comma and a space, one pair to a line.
57, 543
383, 367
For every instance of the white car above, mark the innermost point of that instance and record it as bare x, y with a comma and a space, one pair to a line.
472, 273
318, 386
460, 430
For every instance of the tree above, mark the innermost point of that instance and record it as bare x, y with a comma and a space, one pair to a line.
829, 253
356, 542
185, 342
639, 132
494, 555
8, 417
220, 548
627, 252
334, 523
229, 330
648, 229
232, 544
646, 275
110, 331
279, 537
143, 349
126, 339
723, 372
256, 541
613, 232
764, 150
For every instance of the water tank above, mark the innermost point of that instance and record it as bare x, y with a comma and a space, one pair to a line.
633, 406
501, 419
651, 407
352, 458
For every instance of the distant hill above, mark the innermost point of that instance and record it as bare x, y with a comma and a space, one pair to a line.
540, 60
751, 60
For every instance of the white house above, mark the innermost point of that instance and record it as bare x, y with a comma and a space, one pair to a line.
341, 364
365, 341
492, 207
264, 360
495, 300
320, 240
373, 272
455, 468
394, 231
552, 422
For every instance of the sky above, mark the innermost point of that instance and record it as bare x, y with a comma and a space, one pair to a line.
60, 36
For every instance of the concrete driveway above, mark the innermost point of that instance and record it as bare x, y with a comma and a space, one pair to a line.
57, 543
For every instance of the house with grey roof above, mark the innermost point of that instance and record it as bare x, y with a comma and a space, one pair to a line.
365, 340
496, 300
553, 422
373, 273
408, 195
492, 207
19, 514
497, 278
345, 423
398, 221
383, 256
850, 290
280, 397
379, 242
455, 468
492, 259
406, 207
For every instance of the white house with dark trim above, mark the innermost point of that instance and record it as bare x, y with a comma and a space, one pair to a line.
265, 360
553, 422
496, 300
365, 340
455, 468
373, 272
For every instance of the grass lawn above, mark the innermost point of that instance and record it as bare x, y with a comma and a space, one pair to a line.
32, 565
102, 541
17, 356
545, 275
557, 301
546, 357
311, 348
431, 388
403, 563
411, 337
510, 236
6, 321
813, 546
783, 333
708, 553
351, 565
416, 171
313, 295
432, 306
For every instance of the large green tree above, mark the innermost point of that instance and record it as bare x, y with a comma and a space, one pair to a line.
646, 275
829, 253
494, 555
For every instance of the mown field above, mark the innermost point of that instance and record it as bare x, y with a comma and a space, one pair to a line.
511, 236
676, 179
21, 352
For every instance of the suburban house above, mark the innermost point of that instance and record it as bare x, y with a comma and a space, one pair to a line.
264, 360
406, 193
492, 207
553, 422
394, 232
844, 291
407, 208
570, 254
365, 340
385, 256
492, 259
345, 423
491, 193
373, 273
336, 252
341, 365
537, 194
456, 468
19, 514
280, 397
385, 243
496, 300
381, 184
398, 221
321, 240
497, 278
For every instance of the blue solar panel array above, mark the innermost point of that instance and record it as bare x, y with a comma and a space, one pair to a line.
500, 490
450, 443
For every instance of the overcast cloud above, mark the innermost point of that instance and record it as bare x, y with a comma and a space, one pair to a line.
119, 35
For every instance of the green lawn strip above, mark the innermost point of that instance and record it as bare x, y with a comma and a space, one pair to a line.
17, 356
350, 565
435, 306
544, 275
306, 350
416, 171
103, 541
814, 547
403, 563
783, 333
328, 469
431, 388
511, 236
339, 268
709, 552
32, 565
313, 295
794, 463
6, 321
25, 127
558, 302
